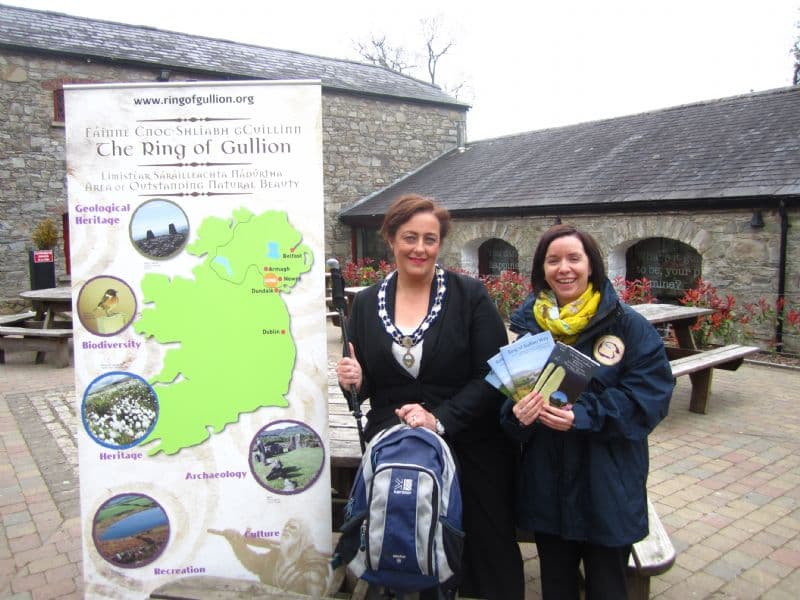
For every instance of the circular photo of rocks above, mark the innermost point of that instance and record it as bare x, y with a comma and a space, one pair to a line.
130, 530
159, 229
286, 457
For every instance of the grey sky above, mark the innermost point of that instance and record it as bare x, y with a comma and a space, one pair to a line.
530, 65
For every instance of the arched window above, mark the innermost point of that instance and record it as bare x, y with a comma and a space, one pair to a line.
671, 266
496, 256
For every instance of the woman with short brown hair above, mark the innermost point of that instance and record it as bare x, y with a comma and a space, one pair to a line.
421, 339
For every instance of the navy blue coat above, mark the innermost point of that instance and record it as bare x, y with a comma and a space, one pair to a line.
589, 483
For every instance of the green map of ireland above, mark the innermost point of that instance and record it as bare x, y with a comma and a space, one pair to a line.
230, 326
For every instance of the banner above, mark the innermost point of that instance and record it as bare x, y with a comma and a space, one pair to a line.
196, 231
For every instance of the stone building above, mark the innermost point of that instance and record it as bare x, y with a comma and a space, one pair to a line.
708, 189
703, 190
377, 124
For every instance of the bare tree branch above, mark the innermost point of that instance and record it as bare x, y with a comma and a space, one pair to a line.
380, 52
431, 29
796, 53
456, 89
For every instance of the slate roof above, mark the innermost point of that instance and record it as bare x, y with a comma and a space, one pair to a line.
25, 29
720, 151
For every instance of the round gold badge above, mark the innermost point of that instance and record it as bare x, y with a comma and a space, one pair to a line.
608, 350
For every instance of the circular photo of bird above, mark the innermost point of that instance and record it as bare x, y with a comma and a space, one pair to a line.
159, 229
119, 409
106, 305
130, 530
286, 457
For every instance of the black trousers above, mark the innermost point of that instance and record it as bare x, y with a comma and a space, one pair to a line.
492, 565
604, 569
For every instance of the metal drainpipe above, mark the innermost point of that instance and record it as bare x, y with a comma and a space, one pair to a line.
781, 275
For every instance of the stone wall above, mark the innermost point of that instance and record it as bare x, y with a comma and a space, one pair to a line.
737, 259
32, 168
368, 143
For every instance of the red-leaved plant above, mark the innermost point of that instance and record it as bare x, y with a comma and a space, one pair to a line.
506, 290
365, 271
636, 291
765, 315
718, 326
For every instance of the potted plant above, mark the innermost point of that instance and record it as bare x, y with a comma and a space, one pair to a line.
41, 260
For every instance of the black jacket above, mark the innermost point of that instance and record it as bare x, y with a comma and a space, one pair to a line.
451, 377
589, 483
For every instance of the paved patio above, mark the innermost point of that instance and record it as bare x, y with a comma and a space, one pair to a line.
726, 485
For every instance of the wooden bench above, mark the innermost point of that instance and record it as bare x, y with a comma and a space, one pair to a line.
56, 341
17, 318
651, 556
14, 319
698, 364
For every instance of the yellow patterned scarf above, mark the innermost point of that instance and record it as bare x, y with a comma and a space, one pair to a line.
565, 322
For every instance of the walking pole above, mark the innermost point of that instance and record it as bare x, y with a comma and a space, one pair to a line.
340, 303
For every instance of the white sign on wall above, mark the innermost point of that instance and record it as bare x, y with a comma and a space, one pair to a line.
196, 231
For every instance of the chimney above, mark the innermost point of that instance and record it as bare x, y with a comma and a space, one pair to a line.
461, 135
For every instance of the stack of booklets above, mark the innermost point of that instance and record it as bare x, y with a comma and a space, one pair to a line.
538, 363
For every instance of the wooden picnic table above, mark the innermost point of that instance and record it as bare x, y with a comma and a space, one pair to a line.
686, 358
49, 302
39, 330
679, 317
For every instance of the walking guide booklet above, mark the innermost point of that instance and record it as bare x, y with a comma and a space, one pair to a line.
538, 363
565, 376
517, 365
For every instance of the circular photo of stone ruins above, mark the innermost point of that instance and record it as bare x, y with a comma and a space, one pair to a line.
286, 457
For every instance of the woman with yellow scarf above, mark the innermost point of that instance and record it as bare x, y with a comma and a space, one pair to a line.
582, 481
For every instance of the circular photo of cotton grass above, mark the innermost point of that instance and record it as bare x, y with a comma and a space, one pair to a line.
119, 409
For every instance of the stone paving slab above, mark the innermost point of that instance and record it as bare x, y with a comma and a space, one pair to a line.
726, 485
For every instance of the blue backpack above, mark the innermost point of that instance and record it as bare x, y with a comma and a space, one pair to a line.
402, 525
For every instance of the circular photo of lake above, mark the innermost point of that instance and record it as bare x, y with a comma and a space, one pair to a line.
130, 530
119, 409
106, 305
159, 229
286, 457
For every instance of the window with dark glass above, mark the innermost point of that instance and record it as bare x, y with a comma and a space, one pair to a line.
496, 256
671, 266
58, 105
372, 245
